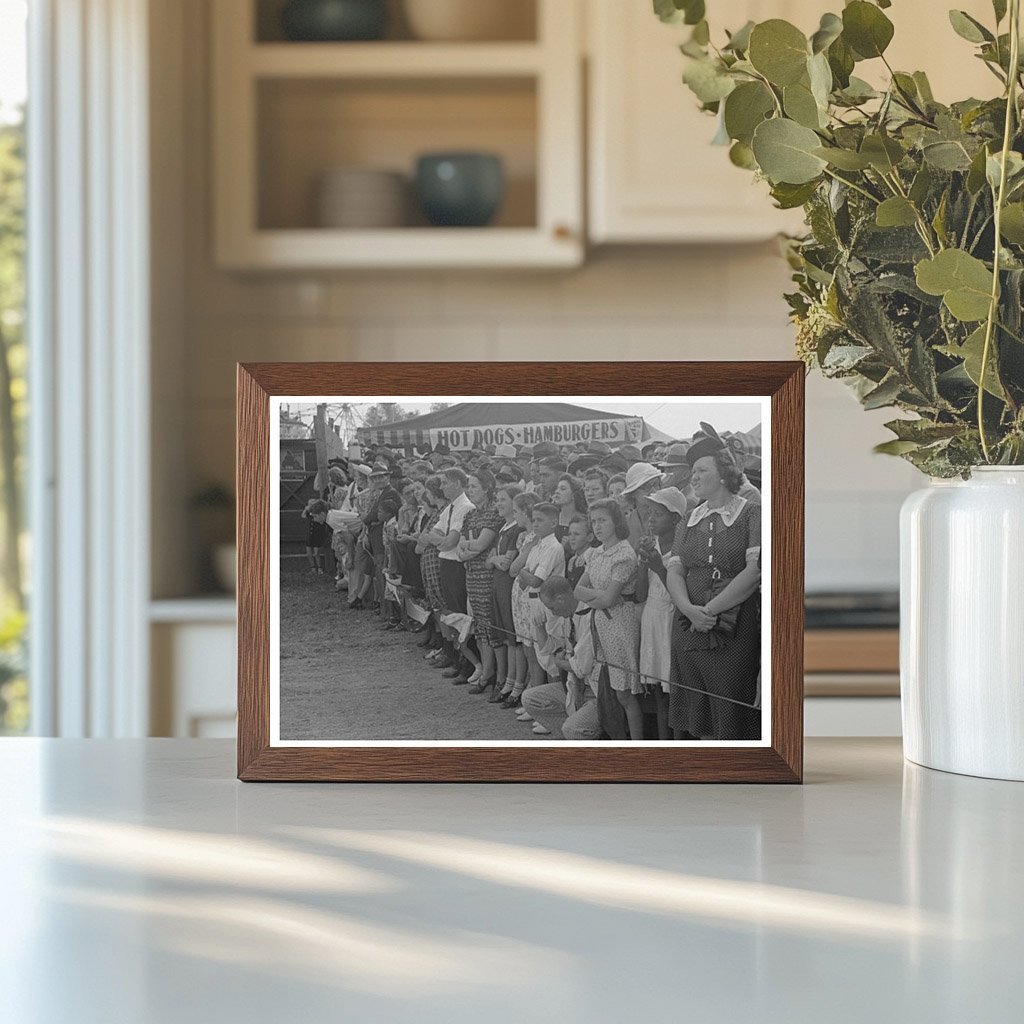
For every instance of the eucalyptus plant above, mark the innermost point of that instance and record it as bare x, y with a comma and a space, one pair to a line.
909, 280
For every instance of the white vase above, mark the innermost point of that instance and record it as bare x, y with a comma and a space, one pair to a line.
962, 624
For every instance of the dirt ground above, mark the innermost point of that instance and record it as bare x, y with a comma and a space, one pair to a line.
343, 678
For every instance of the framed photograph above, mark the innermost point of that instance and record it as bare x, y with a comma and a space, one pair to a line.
521, 572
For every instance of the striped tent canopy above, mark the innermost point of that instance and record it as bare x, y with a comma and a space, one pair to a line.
475, 424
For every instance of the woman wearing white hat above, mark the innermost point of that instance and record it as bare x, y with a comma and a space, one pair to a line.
641, 479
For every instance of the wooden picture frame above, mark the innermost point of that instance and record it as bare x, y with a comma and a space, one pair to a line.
780, 760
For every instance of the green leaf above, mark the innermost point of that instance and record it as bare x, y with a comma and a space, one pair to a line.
999, 6
963, 281
677, 12
921, 186
1014, 169
866, 29
789, 197
830, 28
924, 88
1012, 224
968, 28
923, 431
841, 60
800, 105
844, 159
778, 50
701, 33
739, 41
707, 80
741, 155
896, 212
947, 156
745, 108
895, 447
971, 352
785, 152
883, 153
885, 394
820, 75
976, 174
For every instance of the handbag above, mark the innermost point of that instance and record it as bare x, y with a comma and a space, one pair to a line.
725, 622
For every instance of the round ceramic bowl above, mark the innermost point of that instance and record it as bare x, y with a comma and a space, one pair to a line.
333, 21
460, 189
470, 20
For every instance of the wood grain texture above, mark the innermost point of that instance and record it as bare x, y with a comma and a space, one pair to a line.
781, 762
852, 650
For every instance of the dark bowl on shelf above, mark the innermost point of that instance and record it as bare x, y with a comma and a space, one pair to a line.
461, 190
334, 21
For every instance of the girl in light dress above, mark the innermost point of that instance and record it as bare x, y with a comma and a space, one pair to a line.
522, 506
666, 510
609, 586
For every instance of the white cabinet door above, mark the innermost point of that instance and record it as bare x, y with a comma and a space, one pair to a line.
653, 174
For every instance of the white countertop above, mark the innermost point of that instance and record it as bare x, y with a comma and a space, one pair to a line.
143, 884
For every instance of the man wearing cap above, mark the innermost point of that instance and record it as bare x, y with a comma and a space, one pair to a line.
384, 503
641, 479
631, 454
613, 463
677, 471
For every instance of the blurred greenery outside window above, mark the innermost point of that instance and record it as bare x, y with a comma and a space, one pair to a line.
14, 702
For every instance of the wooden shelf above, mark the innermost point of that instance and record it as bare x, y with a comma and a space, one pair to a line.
393, 60
401, 247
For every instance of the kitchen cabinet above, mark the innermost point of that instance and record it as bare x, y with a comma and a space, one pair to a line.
287, 113
653, 175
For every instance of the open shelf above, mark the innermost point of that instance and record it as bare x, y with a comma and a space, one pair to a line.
308, 127
286, 114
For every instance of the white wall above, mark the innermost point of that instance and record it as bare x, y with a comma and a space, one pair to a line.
653, 303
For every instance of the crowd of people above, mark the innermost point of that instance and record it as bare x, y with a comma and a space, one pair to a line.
594, 593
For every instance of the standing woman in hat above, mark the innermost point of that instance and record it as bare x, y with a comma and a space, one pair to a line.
479, 532
667, 511
715, 584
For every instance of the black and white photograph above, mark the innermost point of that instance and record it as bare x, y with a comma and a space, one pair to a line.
494, 571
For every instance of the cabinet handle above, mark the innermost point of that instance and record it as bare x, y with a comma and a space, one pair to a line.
563, 232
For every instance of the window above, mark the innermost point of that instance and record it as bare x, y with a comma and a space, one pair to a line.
14, 704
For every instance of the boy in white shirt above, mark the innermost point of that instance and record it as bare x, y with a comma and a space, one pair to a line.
568, 710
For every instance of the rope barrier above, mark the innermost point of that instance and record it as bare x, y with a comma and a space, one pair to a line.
655, 680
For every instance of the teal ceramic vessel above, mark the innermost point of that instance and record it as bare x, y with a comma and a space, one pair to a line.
461, 190
334, 21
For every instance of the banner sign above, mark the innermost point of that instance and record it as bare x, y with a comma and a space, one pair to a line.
612, 432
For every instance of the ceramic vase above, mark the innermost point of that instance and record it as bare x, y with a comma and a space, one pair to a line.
962, 624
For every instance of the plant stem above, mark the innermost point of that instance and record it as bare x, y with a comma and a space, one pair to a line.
993, 309
922, 225
855, 187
